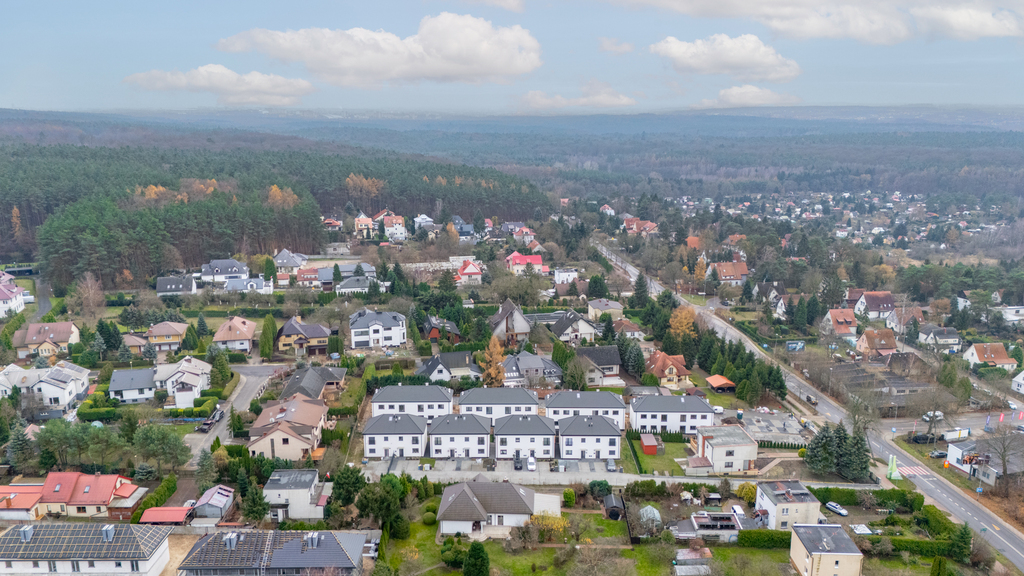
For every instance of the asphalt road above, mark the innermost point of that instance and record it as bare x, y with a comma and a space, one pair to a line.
42, 299
1005, 538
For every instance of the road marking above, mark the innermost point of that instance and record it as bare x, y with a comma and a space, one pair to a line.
915, 470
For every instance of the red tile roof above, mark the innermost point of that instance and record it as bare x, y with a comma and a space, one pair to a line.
78, 489
162, 514
730, 270
843, 321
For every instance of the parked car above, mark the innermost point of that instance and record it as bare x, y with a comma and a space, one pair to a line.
190, 504
837, 508
217, 416
531, 464
937, 416
610, 465
923, 439
718, 410
812, 400
1020, 429
937, 454
517, 463
205, 426
1012, 405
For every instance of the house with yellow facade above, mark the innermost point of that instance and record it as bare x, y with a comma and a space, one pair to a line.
302, 338
167, 335
46, 339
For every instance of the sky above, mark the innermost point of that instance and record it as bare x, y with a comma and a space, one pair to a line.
509, 56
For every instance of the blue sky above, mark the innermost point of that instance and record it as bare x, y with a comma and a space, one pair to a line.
509, 56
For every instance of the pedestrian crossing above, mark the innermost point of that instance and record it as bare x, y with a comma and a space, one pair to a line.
913, 470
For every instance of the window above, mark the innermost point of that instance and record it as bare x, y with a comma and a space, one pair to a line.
568, 441
611, 441
480, 451
380, 406
81, 510
284, 441
372, 450
519, 408
785, 511
490, 410
415, 440
430, 406
419, 407
117, 564
401, 438
373, 441
730, 452
99, 509
555, 412
547, 442
546, 452
837, 564
75, 567
664, 417
53, 565
385, 438
437, 441
682, 417
583, 440
135, 565
703, 416
8, 564
728, 464
452, 439
502, 441
508, 409
517, 440
784, 524
568, 452
390, 406
480, 440
35, 564
615, 412
643, 416
401, 407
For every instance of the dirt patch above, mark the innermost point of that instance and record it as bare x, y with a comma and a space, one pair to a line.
186, 491
178, 546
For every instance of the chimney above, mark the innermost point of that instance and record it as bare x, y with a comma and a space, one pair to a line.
230, 540
107, 533
26, 533
312, 539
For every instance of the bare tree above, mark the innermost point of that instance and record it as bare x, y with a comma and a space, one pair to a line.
1005, 445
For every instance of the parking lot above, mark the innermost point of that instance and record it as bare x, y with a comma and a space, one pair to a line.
462, 469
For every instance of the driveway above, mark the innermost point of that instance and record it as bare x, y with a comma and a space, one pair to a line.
42, 299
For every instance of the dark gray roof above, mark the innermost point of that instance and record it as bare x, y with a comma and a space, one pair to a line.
520, 396
588, 426
932, 329
670, 404
310, 382
572, 399
356, 283
437, 322
613, 501
245, 284
475, 500
131, 379
395, 424
365, 317
600, 355
566, 320
294, 327
80, 540
288, 549
451, 361
507, 307
785, 491
460, 424
524, 424
288, 479
517, 364
226, 266
401, 393
289, 259
825, 539
174, 284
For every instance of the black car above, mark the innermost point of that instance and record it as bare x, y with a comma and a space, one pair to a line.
216, 417
923, 439
205, 426
518, 463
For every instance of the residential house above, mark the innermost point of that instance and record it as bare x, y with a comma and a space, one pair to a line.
518, 264
477, 507
629, 328
464, 229
290, 428
769, 290
276, 552
21, 502
607, 210
184, 380
251, 285
167, 335
421, 221
469, 274
902, 318
526, 369
727, 449
12, 299
524, 235
401, 435
288, 262
565, 275
303, 338
1018, 383
448, 366
508, 228
134, 342
589, 437
382, 214
460, 436
853, 296
81, 547
428, 401
523, 435
645, 228
602, 365
990, 355
236, 334
357, 285
283, 279
215, 502
220, 271
394, 228
670, 370
874, 343
599, 306
296, 495
573, 328
675, 414
731, 273
133, 386
509, 324
982, 459
842, 323
91, 496
434, 327
945, 339
308, 277
786, 503
46, 339
494, 403
312, 381
875, 305
824, 550
566, 291
332, 224
58, 387
364, 228
569, 403
376, 329
175, 285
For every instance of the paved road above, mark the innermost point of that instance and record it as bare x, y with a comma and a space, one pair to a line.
42, 299
253, 380
1005, 538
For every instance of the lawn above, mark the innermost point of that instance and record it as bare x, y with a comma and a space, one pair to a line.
664, 463
695, 299
627, 463
522, 562
728, 555
603, 528
418, 552
182, 429
646, 564
353, 389
27, 283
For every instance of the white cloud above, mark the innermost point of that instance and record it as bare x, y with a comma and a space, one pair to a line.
614, 46
446, 48
745, 57
594, 95
510, 5
747, 95
869, 21
231, 88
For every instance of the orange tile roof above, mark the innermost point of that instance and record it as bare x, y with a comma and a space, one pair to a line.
730, 270
165, 514
843, 321
659, 363
992, 354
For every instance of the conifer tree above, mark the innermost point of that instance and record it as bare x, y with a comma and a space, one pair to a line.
267, 337
202, 329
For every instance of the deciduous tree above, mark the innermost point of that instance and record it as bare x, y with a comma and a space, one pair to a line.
494, 357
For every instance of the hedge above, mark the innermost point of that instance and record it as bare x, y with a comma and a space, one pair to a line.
305, 311
165, 490
206, 409
343, 411
87, 413
236, 451
764, 538
636, 459
198, 402
672, 437
926, 548
237, 358
12, 326
936, 521
893, 497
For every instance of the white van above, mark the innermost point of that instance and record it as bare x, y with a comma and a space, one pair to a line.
738, 510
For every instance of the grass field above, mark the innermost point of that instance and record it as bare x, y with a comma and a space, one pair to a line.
695, 299
521, 563
418, 552
627, 464
603, 527
664, 463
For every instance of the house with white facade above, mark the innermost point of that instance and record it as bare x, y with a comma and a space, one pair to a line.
448, 366
602, 365
394, 228
236, 334
494, 403
288, 262
460, 436
569, 403
251, 285
526, 369
472, 508
727, 449
785, 503
942, 338
675, 414
428, 401
841, 323
469, 273
296, 495
900, 319
83, 547
1018, 383
175, 285
875, 305
589, 437
58, 387
184, 380
220, 271
990, 355
421, 221
12, 299
357, 285
509, 325
565, 275
524, 435
572, 328
376, 329
402, 435
133, 386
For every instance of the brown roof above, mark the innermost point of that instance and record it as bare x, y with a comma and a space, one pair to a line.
659, 363
693, 242
879, 301
39, 333
625, 324
235, 329
880, 339
297, 410
133, 340
581, 287
843, 321
992, 354
854, 294
730, 270
905, 317
167, 329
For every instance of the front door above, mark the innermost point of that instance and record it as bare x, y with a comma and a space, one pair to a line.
598, 455
452, 453
501, 520
517, 453
387, 452
401, 452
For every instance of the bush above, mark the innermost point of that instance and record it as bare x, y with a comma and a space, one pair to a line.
764, 538
165, 490
237, 358
429, 519
569, 497
198, 402
423, 348
935, 521
430, 507
401, 529
668, 537
914, 546
599, 488
802, 452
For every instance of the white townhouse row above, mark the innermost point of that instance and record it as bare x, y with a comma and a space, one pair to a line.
675, 414
494, 403
427, 401
569, 403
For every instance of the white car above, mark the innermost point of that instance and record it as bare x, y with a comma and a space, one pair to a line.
1012, 405
531, 464
836, 508
718, 410
937, 416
